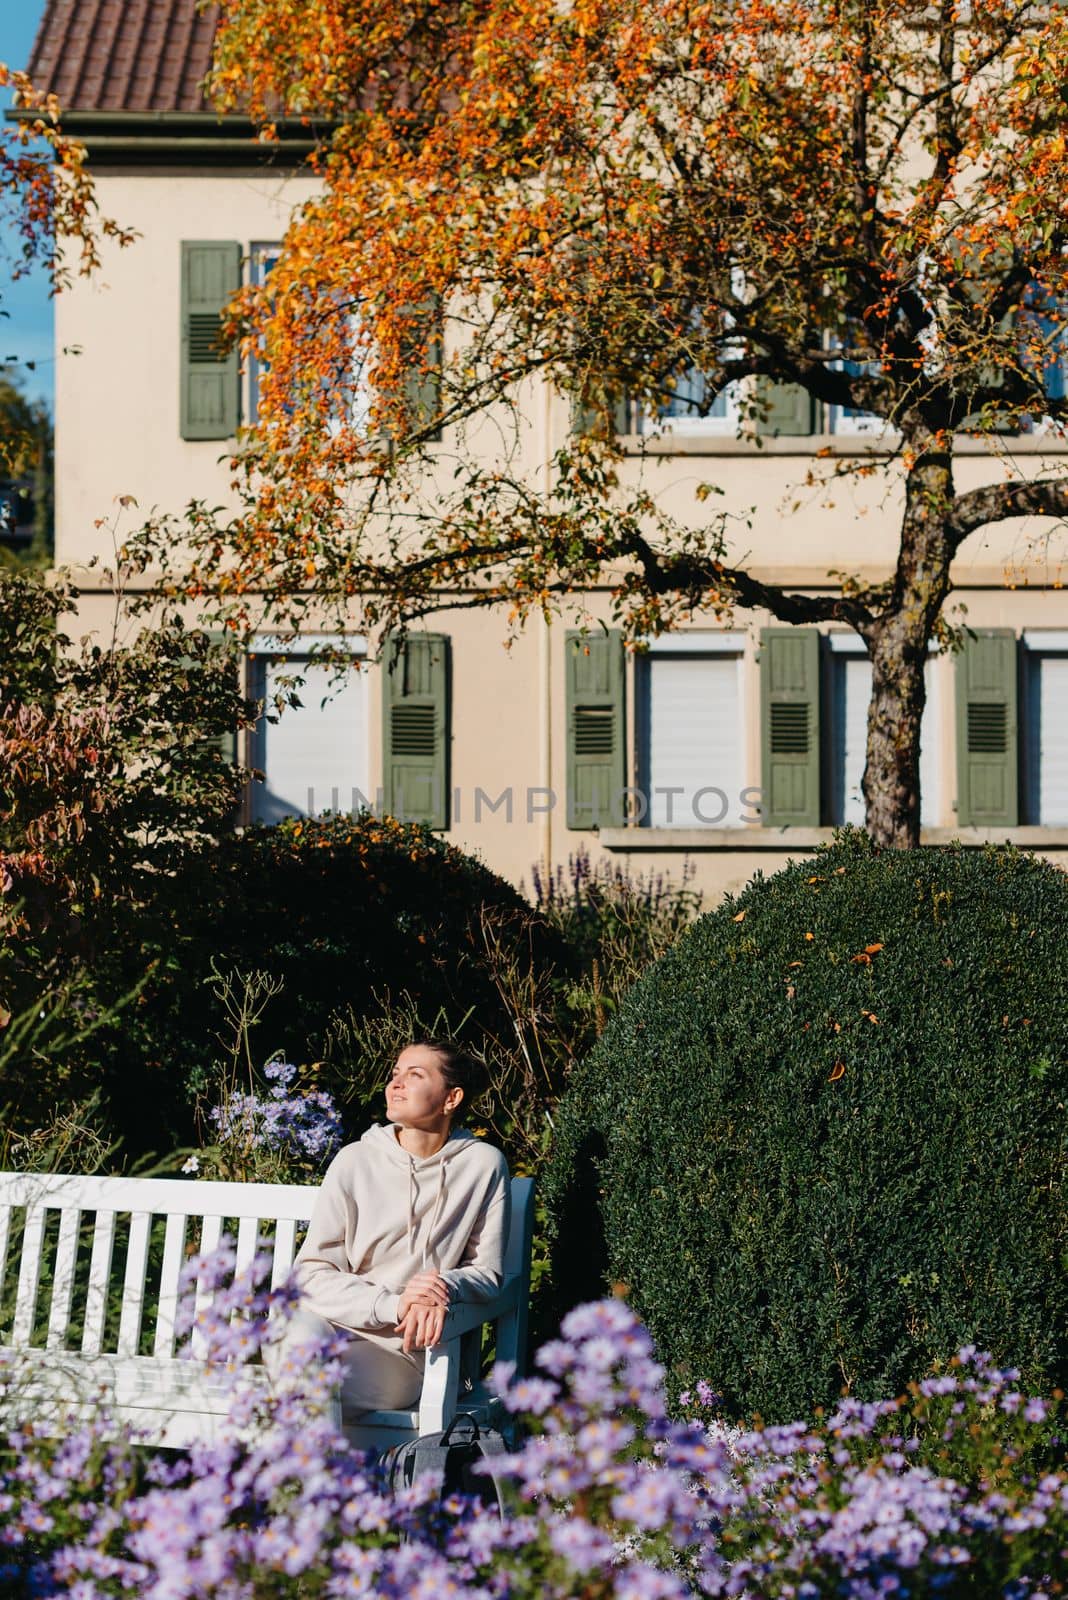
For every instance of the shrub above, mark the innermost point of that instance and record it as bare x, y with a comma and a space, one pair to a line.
823, 1143
112, 772
356, 921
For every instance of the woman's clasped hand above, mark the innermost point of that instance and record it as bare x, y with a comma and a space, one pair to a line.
424, 1305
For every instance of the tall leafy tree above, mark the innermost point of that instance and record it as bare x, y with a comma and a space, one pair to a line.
863, 198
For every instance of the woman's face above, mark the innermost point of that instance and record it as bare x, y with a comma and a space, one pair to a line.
417, 1095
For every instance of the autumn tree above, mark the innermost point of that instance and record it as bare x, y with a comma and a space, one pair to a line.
51, 221
864, 198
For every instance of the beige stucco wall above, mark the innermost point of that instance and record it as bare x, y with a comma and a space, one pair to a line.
118, 348
117, 424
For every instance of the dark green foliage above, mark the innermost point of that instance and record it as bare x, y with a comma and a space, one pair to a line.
826, 1133
359, 918
114, 772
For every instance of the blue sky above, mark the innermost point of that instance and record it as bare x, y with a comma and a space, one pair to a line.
26, 332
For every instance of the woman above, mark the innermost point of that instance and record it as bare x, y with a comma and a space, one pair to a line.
410, 1219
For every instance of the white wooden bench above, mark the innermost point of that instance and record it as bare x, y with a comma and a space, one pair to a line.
170, 1399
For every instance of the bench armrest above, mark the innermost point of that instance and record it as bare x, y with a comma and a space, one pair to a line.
441, 1380
468, 1314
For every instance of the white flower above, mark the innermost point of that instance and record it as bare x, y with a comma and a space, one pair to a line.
192, 1165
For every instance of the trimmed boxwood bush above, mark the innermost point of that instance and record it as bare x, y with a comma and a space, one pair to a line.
823, 1143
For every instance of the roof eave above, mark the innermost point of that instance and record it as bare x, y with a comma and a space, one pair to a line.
146, 137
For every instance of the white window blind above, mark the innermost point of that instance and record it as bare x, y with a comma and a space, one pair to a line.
690, 740
850, 698
1046, 738
315, 757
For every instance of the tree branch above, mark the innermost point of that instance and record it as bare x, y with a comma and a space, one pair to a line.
689, 575
1042, 497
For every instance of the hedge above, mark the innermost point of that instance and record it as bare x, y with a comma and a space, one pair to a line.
823, 1143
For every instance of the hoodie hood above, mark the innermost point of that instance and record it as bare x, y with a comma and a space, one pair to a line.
422, 1172
381, 1139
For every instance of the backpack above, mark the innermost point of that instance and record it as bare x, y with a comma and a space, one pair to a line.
452, 1455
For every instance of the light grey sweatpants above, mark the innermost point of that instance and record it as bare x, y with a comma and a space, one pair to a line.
375, 1379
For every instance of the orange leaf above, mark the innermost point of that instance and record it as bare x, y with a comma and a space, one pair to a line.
872, 949
810, 936
739, 918
837, 1071
863, 959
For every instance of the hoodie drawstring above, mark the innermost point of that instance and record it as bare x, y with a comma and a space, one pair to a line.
439, 1207
413, 1192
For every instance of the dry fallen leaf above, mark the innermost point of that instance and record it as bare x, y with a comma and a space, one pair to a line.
837, 1071
810, 935
739, 918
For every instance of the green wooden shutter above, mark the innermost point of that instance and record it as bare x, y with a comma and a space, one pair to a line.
422, 381
415, 729
987, 784
211, 378
790, 726
595, 729
785, 409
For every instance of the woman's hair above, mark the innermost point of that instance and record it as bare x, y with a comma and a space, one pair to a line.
460, 1068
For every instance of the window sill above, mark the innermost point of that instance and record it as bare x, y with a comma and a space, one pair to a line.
757, 838
831, 444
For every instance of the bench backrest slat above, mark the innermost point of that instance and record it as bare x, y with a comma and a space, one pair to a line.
96, 1298
248, 1229
517, 1250
173, 1257
5, 1233
29, 1275
63, 1279
285, 1248
210, 1234
133, 1285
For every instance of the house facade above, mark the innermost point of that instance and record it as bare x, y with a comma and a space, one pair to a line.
737, 747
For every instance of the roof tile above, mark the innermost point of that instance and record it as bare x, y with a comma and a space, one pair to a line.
124, 55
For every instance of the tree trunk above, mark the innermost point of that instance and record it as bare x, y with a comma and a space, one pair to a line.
898, 643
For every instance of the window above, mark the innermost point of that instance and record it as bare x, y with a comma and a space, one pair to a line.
1045, 349
848, 419
848, 698
314, 757
1044, 728
262, 258
690, 731
689, 410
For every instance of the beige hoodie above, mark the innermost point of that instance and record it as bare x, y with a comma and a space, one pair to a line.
383, 1215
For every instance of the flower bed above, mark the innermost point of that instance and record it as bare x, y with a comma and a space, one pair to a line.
956, 1488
